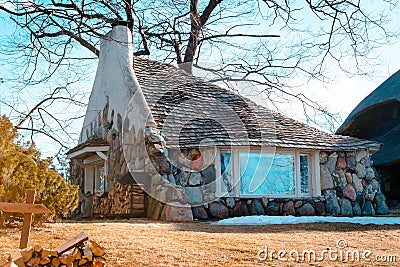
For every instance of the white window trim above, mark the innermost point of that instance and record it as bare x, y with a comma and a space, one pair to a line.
314, 174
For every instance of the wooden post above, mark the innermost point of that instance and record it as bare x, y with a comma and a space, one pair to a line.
26, 226
27, 209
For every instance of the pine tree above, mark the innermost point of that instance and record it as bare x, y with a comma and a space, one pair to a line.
21, 168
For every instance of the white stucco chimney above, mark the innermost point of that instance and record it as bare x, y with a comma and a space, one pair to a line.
115, 84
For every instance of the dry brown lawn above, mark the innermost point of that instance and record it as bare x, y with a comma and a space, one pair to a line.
141, 242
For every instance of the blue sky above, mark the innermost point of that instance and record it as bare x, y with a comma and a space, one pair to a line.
340, 95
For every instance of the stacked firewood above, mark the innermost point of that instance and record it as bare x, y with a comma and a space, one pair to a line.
76, 252
118, 200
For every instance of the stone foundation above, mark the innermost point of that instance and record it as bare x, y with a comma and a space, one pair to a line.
349, 187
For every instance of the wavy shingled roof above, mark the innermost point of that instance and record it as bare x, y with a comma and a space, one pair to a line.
188, 109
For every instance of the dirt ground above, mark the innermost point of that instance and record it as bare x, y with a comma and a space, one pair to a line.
141, 242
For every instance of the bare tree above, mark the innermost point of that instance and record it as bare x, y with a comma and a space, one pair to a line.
262, 42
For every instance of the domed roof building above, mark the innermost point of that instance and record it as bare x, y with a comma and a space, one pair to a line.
377, 118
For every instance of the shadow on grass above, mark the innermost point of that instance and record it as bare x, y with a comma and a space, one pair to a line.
287, 228
206, 226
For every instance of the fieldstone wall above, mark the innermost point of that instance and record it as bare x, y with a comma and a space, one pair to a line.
185, 179
349, 187
117, 198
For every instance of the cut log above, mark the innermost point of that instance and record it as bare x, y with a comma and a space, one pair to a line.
47, 253
82, 262
67, 259
27, 254
99, 261
77, 253
55, 262
87, 253
33, 262
44, 261
37, 249
17, 258
97, 250
72, 243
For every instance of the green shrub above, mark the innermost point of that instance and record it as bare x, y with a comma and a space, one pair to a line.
21, 168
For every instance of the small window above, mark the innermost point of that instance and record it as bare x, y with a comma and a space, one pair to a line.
267, 173
304, 174
226, 173
99, 179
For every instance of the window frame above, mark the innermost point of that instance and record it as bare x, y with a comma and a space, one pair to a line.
91, 175
98, 182
314, 175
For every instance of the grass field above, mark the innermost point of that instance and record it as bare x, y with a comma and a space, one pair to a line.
141, 242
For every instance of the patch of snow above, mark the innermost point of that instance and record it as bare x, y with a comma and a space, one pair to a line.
269, 220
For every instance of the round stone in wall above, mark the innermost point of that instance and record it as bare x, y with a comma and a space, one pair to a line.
199, 213
360, 170
323, 157
272, 209
346, 209
256, 207
230, 202
298, 204
218, 210
357, 183
341, 162
370, 174
369, 192
356, 209
368, 209
360, 199
326, 178
241, 208
194, 178
351, 161
305, 210
182, 178
332, 205
375, 184
177, 212
350, 192
288, 208
320, 208
208, 174
380, 203
331, 164
194, 195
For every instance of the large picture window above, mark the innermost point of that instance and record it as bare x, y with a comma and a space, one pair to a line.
267, 173
254, 173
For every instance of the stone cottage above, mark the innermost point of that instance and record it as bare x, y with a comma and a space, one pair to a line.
377, 117
159, 142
